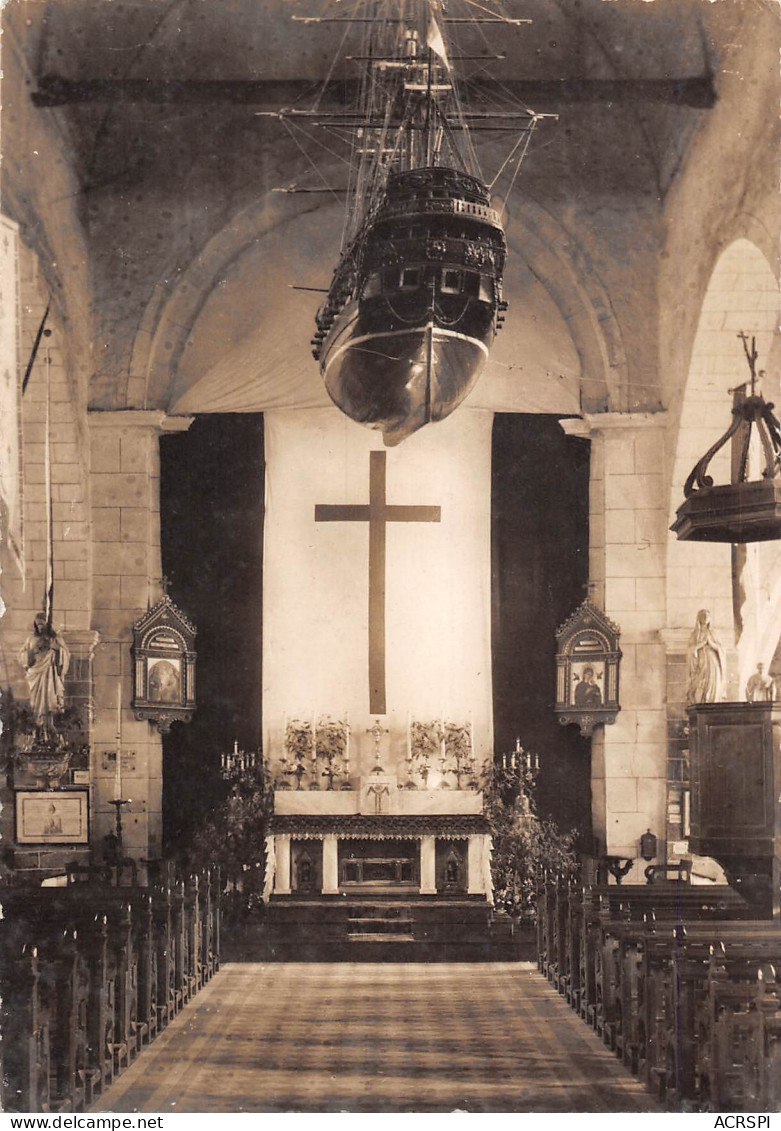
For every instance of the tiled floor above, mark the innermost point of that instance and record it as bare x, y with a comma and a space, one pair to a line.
369, 1037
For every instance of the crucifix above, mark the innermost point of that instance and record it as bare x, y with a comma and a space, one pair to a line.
378, 513
377, 731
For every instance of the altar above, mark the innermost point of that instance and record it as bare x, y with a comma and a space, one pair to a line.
377, 694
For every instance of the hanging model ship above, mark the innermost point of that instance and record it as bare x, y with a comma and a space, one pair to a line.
416, 297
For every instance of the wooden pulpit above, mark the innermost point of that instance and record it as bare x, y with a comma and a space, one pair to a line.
735, 807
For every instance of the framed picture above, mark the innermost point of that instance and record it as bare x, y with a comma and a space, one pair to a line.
52, 816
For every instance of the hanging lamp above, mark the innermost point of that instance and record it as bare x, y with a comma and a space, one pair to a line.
744, 510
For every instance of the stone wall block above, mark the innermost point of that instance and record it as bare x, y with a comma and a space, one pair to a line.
619, 760
114, 624
635, 561
633, 492
134, 451
34, 473
649, 450
620, 526
68, 473
649, 760
134, 524
106, 592
104, 451
120, 558
111, 490
106, 524
72, 595
619, 595
621, 793
650, 594
134, 592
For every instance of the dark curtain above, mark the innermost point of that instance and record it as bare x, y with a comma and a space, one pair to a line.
212, 492
539, 575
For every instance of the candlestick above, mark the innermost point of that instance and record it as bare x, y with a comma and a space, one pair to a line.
409, 736
472, 733
118, 771
347, 742
314, 739
517, 746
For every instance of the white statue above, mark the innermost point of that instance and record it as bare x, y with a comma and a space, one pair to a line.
707, 663
760, 688
45, 658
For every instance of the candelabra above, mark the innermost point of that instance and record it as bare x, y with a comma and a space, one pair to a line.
236, 762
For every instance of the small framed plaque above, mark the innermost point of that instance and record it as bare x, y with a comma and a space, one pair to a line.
52, 816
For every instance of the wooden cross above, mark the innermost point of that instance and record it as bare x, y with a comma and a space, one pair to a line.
378, 513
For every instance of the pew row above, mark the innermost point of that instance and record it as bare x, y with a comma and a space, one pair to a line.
678, 982
90, 974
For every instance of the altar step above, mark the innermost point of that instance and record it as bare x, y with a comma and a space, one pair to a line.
378, 924
372, 929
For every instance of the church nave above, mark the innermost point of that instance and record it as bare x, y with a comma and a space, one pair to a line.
317, 1037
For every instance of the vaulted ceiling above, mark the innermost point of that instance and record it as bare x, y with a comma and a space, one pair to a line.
131, 142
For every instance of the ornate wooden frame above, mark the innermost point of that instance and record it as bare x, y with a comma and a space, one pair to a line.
164, 666
587, 645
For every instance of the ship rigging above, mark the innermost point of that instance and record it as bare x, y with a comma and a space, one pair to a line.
415, 300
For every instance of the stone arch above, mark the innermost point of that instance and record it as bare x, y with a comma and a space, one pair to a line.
564, 268
553, 256
742, 294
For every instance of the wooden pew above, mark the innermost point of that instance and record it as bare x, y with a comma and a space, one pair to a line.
25, 1027
91, 972
679, 996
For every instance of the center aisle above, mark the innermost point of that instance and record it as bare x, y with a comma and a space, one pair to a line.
316, 1037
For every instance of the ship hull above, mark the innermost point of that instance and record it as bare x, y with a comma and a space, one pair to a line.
398, 380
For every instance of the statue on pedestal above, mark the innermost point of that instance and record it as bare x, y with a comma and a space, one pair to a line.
760, 688
707, 663
45, 658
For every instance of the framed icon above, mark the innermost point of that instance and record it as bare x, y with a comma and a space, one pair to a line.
164, 665
587, 669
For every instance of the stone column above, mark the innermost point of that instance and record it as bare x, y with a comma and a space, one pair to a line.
126, 578
282, 864
428, 865
627, 565
330, 864
474, 865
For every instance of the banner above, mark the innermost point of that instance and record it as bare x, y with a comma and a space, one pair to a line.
328, 646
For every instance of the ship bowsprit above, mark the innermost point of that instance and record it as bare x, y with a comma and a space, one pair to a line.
399, 380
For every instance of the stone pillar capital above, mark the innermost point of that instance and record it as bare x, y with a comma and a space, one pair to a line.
592, 424
82, 641
139, 418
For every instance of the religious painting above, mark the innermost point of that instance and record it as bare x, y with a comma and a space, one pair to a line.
587, 663
52, 817
165, 680
164, 665
587, 683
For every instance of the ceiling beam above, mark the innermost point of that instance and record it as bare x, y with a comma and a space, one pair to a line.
697, 92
